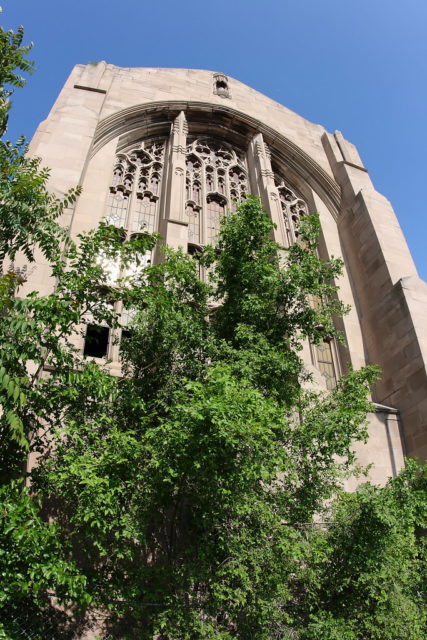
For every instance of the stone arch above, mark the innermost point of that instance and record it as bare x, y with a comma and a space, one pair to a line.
155, 118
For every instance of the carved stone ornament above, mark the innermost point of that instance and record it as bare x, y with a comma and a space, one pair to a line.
180, 125
220, 85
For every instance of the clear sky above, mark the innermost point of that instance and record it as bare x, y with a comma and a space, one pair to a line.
354, 65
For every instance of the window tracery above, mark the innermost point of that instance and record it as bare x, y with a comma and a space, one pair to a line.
216, 177
135, 187
117, 208
293, 209
216, 180
133, 204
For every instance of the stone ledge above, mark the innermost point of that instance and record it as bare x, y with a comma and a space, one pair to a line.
81, 86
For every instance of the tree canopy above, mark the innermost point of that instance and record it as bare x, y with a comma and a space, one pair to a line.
197, 495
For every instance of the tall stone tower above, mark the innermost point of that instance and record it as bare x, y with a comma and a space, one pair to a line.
171, 150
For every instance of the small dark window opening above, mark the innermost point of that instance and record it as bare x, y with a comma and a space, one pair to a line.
96, 342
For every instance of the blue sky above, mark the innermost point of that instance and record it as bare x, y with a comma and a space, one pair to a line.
357, 66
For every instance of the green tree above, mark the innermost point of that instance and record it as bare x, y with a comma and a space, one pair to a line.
32, 557
37, 571
369, 566
186, 481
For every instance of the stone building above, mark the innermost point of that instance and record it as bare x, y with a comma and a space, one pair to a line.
171, 150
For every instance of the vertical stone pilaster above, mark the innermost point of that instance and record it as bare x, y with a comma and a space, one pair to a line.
175, 224
261, 173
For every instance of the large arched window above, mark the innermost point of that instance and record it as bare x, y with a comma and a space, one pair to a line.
135, 187
216, 179
133, 204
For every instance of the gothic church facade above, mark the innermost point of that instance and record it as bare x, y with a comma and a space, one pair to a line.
171, 150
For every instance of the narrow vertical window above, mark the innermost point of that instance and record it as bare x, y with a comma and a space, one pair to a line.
325, 363
293, 210
215, 212
117, 209
144, 213
193, 224
193, 178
